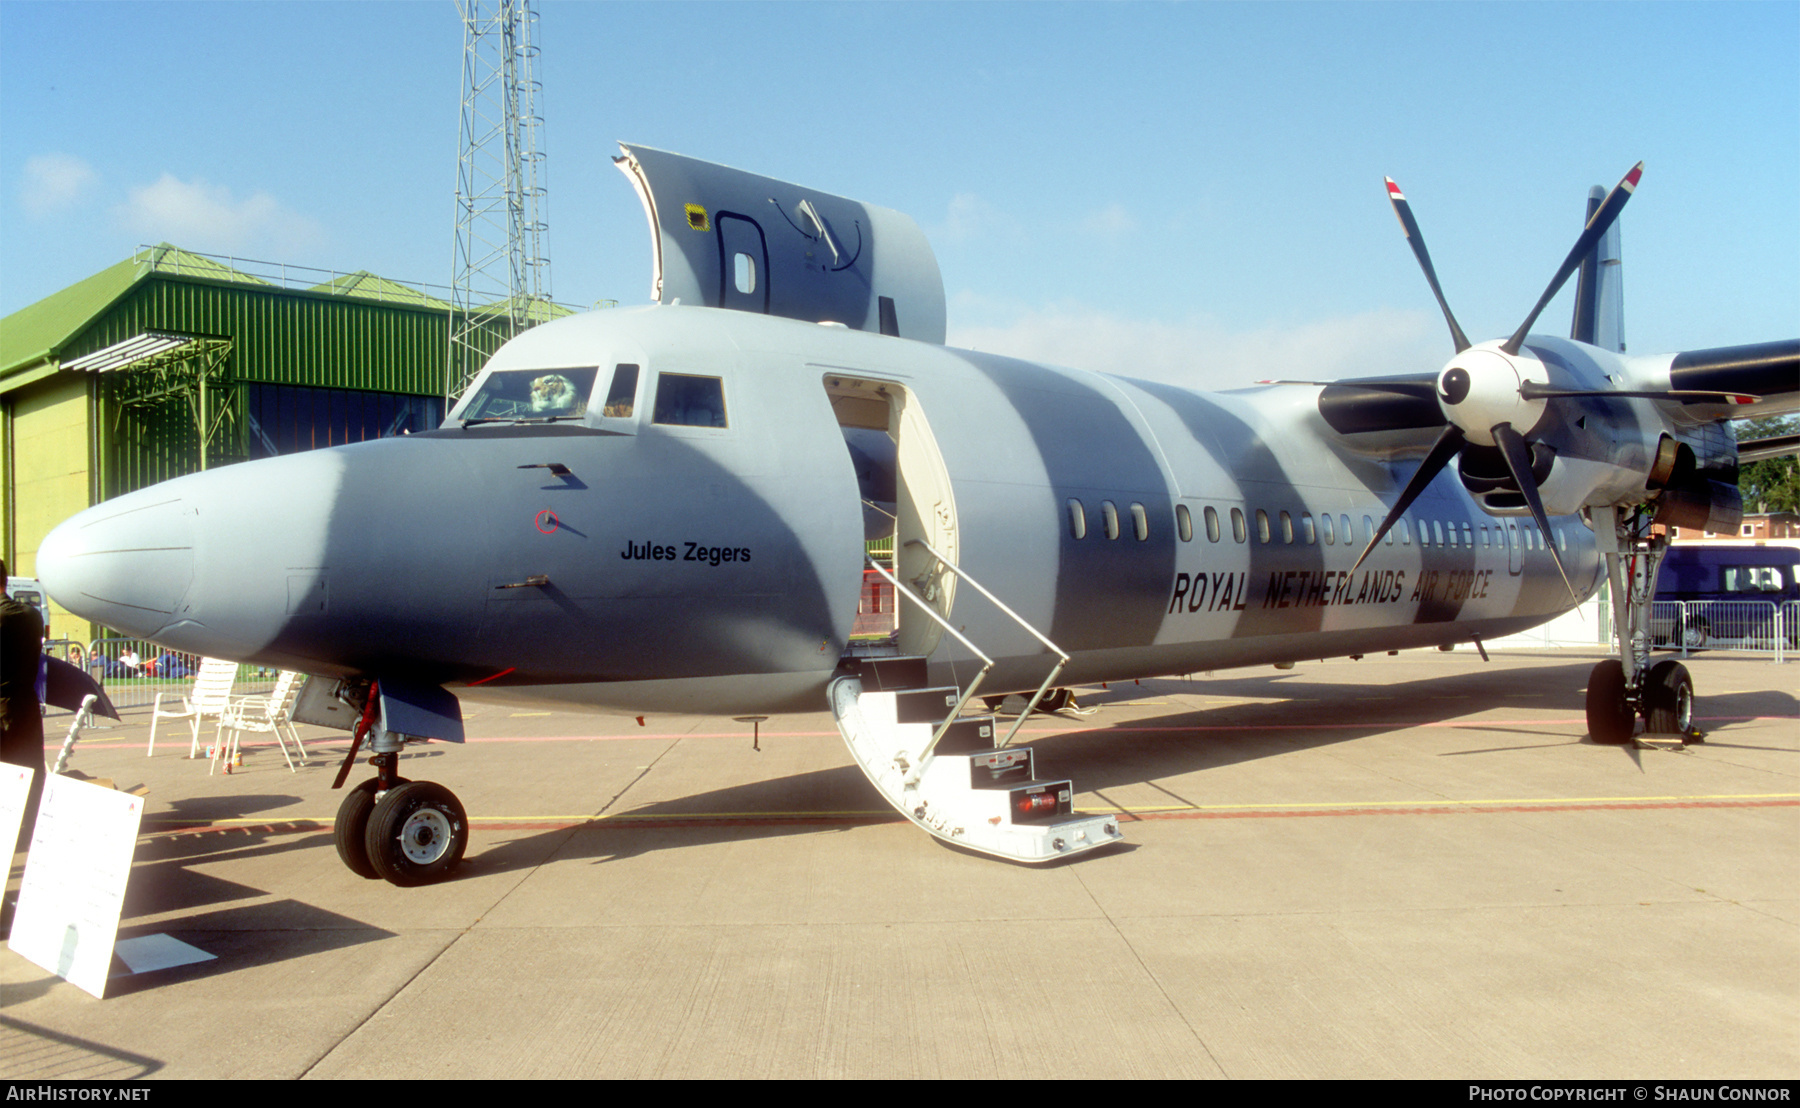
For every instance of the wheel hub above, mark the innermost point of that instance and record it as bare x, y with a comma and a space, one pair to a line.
425, 836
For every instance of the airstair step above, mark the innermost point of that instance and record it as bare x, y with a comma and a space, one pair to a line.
999, 769
925, 705
1036, 802
966, 791
968, 735
892, 674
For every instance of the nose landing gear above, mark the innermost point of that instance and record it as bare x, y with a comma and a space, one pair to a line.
406, 832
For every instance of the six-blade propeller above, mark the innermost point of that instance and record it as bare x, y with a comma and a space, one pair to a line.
1493, 394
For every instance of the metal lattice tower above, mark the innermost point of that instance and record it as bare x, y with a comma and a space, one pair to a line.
502, 266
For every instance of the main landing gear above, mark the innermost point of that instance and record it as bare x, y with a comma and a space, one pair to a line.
406, 832
1623, 688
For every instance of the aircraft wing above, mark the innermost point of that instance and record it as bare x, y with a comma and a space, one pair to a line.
723, 238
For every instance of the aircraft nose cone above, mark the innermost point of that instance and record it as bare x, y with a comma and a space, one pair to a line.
126, 563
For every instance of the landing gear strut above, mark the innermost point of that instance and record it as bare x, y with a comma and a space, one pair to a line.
1622, 689
406, 832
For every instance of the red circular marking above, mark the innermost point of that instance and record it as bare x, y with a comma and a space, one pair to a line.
547, 521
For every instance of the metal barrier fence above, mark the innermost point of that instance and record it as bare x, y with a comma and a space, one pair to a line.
134, 671
1757, 625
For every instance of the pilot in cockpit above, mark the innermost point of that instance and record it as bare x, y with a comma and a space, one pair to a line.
553, 394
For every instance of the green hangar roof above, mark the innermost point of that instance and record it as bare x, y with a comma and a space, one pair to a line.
358, 330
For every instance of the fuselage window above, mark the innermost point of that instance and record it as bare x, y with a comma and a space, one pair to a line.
1262, 525
1424, 534
1077, 519
1184, 523
1237, 525
1287, 528
1330, 532
1307, 529
1140, 522
1468, 536
1484, 537
684, 400
622, 396
743, 273
1109, 512
1212, 525
1562, 539
1349, 537
1437, 533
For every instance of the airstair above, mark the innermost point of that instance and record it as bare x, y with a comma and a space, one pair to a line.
949, 773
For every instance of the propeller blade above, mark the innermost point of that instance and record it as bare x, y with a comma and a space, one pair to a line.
1603, 219
1411, 226
1531, 390
1442, 451
1518, 460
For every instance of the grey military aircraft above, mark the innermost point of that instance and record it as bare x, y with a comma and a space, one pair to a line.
666, 508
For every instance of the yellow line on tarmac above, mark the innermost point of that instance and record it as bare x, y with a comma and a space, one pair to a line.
1446, 803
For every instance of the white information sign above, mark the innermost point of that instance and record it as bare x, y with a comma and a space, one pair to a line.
74, 885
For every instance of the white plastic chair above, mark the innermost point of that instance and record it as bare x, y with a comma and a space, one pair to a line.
207, 699
271, 714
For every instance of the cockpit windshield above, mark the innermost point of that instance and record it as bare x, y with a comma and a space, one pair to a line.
537, 395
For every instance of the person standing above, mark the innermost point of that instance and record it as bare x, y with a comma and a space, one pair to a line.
21, 719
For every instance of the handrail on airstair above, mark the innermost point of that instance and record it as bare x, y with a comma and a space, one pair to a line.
1016, 618
918, 766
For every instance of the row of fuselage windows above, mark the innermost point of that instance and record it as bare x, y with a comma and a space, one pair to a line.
1328, 530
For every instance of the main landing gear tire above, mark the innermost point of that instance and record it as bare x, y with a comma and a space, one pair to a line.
417, 834
1610, 718
350, 831
1668, 699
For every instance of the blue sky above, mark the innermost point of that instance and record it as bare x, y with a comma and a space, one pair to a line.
1178, 190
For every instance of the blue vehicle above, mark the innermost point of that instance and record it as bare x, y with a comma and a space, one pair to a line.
1728, 592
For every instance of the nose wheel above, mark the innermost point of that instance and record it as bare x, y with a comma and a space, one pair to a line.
405, 832
416, 834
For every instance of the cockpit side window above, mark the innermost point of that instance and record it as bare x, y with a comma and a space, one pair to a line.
621, 398
531, 395
685, 400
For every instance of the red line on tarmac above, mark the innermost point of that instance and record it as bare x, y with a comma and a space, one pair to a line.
159, 827
1043, 732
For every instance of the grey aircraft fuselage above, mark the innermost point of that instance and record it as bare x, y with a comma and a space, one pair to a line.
1145, 528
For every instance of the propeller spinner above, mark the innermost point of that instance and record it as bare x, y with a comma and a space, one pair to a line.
1489, 393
